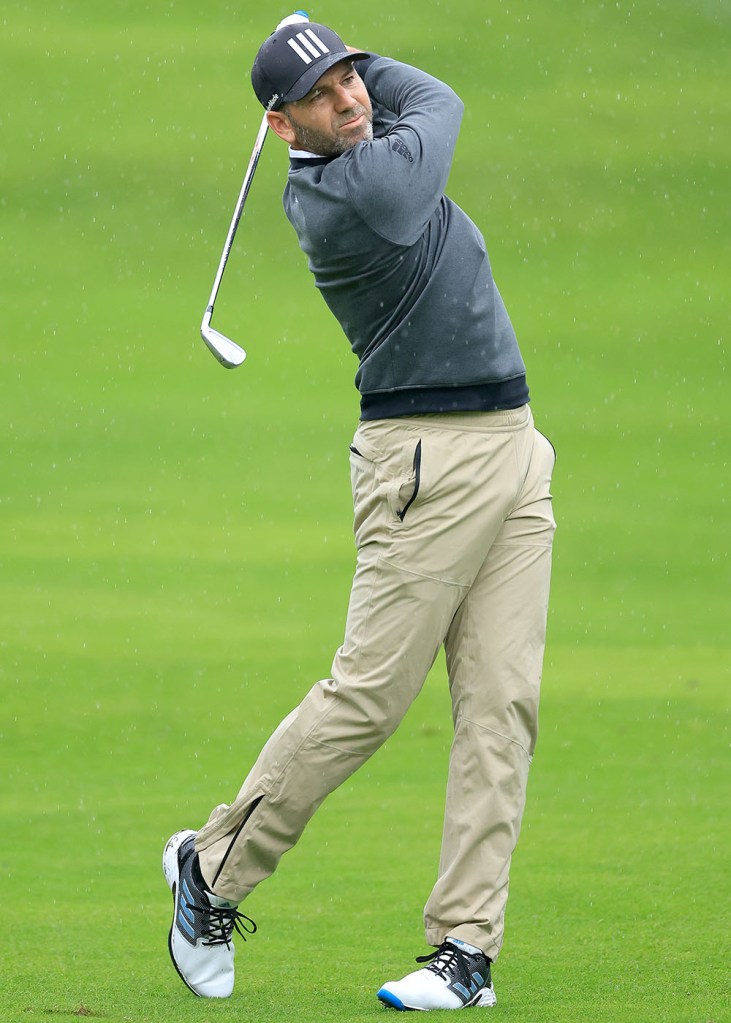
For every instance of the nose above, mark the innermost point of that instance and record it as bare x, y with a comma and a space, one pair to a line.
344, 99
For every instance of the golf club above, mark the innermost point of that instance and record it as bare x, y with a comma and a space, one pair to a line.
228, 353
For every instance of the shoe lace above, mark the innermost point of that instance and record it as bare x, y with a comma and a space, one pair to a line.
444, 960
219, 925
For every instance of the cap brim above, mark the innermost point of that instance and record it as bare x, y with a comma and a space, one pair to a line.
313, 74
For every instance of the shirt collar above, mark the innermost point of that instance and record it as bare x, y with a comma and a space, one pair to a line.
302, 154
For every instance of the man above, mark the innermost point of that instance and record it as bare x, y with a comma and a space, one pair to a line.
453, 519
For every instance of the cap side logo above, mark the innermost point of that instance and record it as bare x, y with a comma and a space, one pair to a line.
302, 44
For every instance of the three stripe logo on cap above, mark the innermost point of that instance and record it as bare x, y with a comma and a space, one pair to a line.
308, 46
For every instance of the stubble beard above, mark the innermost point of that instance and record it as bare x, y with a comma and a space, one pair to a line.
326, 144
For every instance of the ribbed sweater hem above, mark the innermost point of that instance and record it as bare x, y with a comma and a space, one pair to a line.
415, 401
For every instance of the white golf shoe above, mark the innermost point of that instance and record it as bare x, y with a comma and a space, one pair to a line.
457, 977
201, 936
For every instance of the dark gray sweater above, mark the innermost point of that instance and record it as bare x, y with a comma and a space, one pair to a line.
402, 267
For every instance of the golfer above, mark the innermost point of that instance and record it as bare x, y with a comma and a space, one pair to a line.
453, 519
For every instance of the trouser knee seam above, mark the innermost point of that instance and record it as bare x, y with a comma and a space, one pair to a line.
502, 735
339, 749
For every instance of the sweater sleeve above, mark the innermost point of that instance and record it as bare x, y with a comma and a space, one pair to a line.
396, 182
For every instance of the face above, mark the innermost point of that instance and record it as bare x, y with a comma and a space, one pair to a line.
334, 115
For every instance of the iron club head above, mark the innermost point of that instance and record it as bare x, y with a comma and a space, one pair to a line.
226, 351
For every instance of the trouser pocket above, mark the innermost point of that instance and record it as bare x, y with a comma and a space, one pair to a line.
386, 477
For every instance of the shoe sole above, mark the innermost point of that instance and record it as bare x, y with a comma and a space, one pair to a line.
171, 870
484, 999
395, 1003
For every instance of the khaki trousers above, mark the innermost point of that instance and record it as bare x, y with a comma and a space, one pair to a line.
453, 527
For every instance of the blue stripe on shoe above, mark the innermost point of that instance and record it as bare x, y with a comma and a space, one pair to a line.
185, 925
186, 903
389, 999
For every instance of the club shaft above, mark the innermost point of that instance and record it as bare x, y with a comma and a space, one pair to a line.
246, 185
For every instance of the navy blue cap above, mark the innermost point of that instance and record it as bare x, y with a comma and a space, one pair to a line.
292, 59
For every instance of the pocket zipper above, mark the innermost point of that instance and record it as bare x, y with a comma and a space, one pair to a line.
417, 482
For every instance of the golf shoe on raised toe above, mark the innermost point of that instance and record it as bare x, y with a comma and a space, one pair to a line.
457, 977
201, 936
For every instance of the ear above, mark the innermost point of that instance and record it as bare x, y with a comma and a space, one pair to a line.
279, 123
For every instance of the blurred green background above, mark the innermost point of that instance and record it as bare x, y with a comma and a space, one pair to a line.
175, 545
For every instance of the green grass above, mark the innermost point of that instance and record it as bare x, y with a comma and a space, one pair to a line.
175, 548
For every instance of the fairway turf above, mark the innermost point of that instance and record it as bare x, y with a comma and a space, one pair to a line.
175, 546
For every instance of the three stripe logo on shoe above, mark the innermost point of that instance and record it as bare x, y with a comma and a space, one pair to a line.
302, 44
476, 983
186, 917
